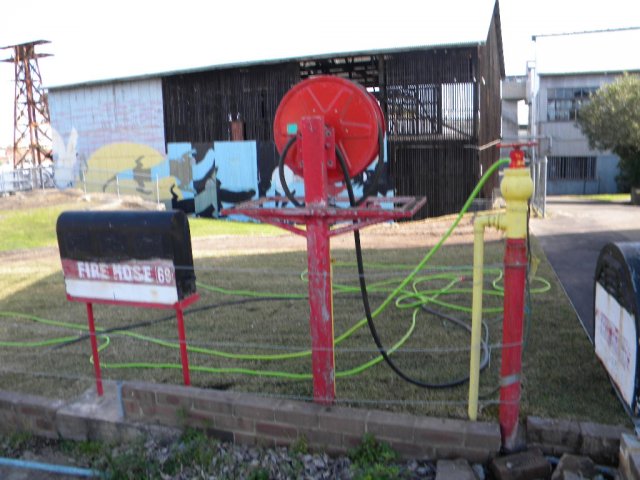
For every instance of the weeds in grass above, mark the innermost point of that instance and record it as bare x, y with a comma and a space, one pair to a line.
300, 446
16, 443
129, 463
195, 449
259, 474
379, 471
374, 460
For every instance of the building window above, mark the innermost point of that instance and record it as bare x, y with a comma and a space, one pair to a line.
563, 104
414, 110
571, 168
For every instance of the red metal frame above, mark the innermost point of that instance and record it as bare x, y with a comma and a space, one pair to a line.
371, 212
316, 142
178, 307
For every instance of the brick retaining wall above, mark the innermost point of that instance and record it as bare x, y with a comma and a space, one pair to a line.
164, 410
555, 437
28, 413
252, 419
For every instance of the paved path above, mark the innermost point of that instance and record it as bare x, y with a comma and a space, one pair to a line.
572, 236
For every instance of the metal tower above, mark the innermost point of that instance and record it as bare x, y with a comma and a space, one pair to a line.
32, 131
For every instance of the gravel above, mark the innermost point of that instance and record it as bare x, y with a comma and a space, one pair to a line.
199, 457
241, 461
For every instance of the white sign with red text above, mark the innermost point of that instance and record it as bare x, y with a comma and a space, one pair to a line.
616, 341
139, 281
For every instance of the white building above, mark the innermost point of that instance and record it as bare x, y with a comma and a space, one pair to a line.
568, 68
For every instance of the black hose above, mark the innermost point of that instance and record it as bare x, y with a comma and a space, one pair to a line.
166, 318
371, 189
361, 275
377, 173
367, 306
283, 181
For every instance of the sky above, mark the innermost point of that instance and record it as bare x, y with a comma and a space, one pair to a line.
99, 40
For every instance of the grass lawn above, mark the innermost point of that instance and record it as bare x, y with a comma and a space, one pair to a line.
204, 227
608, 197
31, 228
36, 227
246, 342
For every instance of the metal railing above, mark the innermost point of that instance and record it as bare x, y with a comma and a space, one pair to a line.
120, 183
43, 177
25, 179
539, 176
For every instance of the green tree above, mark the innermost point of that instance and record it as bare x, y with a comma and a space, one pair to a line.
611, 121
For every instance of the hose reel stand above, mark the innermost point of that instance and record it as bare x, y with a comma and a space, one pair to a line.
318, 120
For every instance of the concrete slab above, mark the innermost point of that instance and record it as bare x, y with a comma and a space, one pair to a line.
454, 470
80, 419
94, 417
572, 236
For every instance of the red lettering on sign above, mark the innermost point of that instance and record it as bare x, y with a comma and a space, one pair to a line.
149, 272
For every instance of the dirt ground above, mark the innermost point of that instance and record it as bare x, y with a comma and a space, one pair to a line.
384, 236
49, 197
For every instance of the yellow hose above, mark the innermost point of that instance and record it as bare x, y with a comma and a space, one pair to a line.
479, 225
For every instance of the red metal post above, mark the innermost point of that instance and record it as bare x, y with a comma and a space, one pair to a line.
317, 149
327, 111
182, 338
515, 270
94, 348
178, 307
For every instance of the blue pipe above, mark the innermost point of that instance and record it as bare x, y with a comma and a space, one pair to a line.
49, 467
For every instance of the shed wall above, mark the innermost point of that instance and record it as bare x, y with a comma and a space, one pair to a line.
199, 107
488, 86
442, 109
432, 108
109, 113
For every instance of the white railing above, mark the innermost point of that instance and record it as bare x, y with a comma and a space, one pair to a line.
24, 179
539, 175
121, 184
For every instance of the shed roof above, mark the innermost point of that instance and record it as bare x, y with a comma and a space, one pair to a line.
371, 28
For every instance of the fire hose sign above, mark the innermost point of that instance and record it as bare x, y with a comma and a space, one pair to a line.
141, 281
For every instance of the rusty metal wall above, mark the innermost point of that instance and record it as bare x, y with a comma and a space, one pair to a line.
491, 69
443, 172
199, 107
429, 95
430, 98
440, 105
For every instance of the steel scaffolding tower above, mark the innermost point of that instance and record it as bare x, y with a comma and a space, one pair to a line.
32, 131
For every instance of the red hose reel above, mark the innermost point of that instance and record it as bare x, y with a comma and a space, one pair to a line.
347, 108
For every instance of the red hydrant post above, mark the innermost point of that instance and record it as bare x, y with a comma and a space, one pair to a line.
515, 269
516, 188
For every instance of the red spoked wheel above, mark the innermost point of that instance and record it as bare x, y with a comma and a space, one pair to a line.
347, 107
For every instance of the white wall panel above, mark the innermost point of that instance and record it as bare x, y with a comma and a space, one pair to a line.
109, 113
